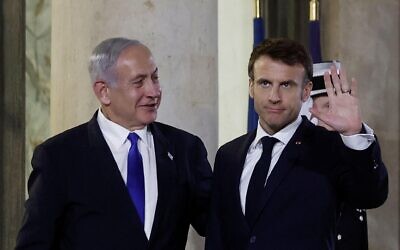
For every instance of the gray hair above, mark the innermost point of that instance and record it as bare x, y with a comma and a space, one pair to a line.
105, 56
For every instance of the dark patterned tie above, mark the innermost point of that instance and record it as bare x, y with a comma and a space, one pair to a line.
257, 182
135, 179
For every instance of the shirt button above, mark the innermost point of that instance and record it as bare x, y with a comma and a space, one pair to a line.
361, 218
339, 237
253, 239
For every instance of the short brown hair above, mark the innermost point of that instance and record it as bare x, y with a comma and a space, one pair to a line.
285, 50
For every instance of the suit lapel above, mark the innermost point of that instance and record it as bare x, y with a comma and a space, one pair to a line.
239, 159
106, 168
166, 175
240, 155
101, 156
286, 162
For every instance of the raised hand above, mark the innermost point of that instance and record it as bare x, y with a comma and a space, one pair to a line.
344, 112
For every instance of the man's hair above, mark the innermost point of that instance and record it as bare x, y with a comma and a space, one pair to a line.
105, 56
285, 50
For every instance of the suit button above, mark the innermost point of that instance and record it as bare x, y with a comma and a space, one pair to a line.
253, 239
339, 236
361, 218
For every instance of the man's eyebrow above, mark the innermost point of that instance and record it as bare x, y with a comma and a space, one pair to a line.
262, 80
139, 76
289, 82
144, 75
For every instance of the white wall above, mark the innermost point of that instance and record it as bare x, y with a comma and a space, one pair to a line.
235, 42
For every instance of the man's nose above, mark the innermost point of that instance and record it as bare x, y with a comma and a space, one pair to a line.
274, 95
152, 88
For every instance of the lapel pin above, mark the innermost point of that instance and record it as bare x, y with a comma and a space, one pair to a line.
170, 156
298, 142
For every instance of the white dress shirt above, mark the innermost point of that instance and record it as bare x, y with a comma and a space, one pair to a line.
357, 142
116, 137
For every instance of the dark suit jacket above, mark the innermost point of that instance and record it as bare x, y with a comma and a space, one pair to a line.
315, 172
352, 230
78, 199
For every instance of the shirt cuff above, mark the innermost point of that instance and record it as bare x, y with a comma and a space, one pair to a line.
359, 141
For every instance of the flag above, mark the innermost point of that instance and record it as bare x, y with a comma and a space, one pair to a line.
314, 31
258, 37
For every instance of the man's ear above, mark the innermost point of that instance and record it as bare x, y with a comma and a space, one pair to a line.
306, 91
251, 88
101, 90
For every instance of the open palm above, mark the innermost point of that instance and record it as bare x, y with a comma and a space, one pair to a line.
344, 112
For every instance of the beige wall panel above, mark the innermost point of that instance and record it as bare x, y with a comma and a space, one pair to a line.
364, 35
235, 42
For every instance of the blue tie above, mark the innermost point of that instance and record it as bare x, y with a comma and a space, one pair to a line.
135, 180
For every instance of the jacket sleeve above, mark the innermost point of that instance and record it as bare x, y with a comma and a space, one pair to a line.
45, 204
214, 236
201, 186
364, 184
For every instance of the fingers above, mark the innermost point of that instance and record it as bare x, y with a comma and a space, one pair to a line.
354, 87
340, 84
345, 86
328, 85
336, 80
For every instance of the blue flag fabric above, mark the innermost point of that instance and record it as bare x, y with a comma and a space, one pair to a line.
258, 32
258, 27
315, 44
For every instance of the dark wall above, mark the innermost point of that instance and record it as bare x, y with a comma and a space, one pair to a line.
12, 119
287, 18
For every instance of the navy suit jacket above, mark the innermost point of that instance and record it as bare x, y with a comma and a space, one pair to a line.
78, 199
314, 174
352, 230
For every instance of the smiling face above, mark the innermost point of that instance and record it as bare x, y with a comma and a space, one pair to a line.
278, 91
133, 100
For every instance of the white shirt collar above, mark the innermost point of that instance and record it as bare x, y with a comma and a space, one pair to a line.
284, 135
116, 134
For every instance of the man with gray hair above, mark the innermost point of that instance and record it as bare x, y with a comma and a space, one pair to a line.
120, 181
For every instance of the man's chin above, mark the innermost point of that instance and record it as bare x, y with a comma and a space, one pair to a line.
149, 119
278, 125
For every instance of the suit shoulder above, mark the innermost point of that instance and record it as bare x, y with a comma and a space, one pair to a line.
235, 143
70, 136
312, 132
173, 132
